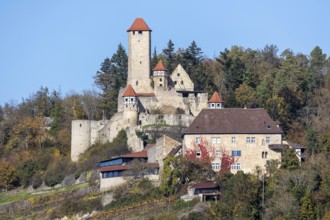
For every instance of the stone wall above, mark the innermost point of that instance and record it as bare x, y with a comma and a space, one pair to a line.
169, 119
181, 80
251, 154
110, 183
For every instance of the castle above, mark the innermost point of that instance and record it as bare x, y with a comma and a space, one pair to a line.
147, 99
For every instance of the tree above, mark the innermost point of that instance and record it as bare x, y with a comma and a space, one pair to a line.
89, 101
8, 177
290, 160
246, 95
110, 78
169, 56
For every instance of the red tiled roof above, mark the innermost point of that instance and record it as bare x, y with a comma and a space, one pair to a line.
129, 91
233, 121
125, 167
159, 66
216, 98
204, 185
146, 94
139, 25
140, 154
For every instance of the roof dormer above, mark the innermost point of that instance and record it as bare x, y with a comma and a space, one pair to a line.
215, 102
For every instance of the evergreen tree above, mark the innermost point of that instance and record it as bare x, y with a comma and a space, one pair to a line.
170, 56
110, 78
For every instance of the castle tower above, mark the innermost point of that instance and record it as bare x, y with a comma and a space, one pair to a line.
160, 76
130, 102
139, 40
215, 101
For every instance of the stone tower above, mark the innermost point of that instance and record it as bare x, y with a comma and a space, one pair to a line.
139, 40
215, 101
160, 76
130, 102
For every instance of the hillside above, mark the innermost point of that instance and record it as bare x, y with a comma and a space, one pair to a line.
294, 89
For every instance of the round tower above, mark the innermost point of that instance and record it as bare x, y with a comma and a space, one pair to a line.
130, 102
139, 40
160, 76
215, 101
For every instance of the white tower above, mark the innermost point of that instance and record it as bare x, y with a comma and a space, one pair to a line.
160, 76
139, 38
130, 103
215, 101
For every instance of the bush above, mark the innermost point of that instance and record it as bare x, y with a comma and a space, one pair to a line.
55, 173
36, 181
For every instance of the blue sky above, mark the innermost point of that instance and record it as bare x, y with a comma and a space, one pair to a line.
61, 44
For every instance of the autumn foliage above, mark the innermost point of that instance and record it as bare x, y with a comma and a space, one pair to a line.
205, 152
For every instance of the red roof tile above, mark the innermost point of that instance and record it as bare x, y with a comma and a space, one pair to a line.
159, 66
129, 91
139, 25
125, 167
204, 185
216, 98
140, 154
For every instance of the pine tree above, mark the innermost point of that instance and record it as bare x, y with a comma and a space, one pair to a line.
170, 56
110, 78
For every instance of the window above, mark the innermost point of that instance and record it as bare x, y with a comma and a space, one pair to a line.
233, 140
236, 166
267, 140
218, 153
215, 166
218, 105
126, 99
198, 140
250, 140
181, 82
264, 154
215, 140
132, 99
160, 85
80, 125
140, 32
133, 32
236, 153
137, 82
178, 74
160, 79
175, 82
198, 153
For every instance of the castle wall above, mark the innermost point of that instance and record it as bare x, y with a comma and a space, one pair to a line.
80, 138
181, 80
170, 119
197, 103
135, 143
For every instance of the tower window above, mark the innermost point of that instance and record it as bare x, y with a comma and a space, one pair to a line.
131, 99
178, 74
160, 85
140, 32
160, 79
181, 82
133, 32
175, 82
80, 125
140, 62
137, 82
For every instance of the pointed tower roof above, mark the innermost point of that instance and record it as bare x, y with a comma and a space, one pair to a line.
129, 91
159, 66
139, 25
216, 98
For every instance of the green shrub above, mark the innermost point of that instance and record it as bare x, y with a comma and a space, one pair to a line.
36, 181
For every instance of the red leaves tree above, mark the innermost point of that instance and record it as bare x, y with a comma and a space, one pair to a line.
205, 152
